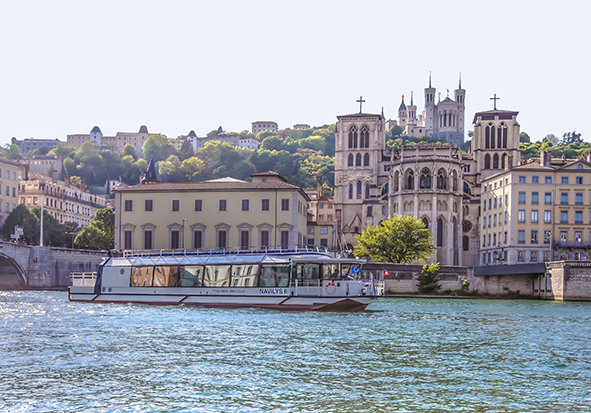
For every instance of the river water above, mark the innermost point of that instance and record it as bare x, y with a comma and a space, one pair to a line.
400, 355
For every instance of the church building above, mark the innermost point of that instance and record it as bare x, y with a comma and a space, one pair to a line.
435, 182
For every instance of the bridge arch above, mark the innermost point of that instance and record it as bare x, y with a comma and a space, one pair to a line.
12, 275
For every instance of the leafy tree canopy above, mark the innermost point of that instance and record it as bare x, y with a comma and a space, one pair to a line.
399, 239
100, 234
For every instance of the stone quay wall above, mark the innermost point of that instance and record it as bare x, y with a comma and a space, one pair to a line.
403, 278
570, 280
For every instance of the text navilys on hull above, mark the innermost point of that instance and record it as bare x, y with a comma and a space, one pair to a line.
298, 278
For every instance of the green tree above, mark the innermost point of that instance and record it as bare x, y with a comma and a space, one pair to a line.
399, 239
396, 130
552, 139
157, 147
129, 150
100, 234
429, 279
524, 137
262, 135
21, 216
186, 150
272, 143
13, 152
193, 169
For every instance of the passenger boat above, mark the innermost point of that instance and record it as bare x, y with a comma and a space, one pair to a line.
300, 278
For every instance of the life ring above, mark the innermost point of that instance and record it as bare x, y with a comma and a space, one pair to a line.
330, 288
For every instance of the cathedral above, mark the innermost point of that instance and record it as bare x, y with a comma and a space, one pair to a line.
435, 182
443, 120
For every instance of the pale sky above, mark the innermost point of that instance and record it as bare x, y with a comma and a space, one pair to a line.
180, 65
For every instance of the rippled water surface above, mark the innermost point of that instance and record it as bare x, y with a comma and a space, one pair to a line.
401, 355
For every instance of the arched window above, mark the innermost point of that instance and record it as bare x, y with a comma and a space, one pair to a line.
440, 232
496, 161
366, 159
466, 243
358, 160
499, 138
441, 179
410, 180
505, 137
454, 178
487, 138
353, 137
396, 179
425, 179
350, 160
358, 189
504, 162
364, 137
492, 137
350, 191
426, 222
366, 191
444, 118
487, 161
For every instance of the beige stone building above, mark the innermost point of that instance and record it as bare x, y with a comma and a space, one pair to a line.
10, 176
321, 220
537, 212
221, 213
63, 201
262, 125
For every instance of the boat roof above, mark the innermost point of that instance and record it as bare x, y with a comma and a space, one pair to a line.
214, 257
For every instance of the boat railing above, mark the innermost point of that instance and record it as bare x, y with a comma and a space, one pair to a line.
277, 249
83, 279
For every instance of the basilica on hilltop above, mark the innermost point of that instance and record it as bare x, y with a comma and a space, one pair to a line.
435, 182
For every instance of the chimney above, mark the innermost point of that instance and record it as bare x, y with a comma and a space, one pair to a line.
67, 181
54, 176
546, 158
82, 185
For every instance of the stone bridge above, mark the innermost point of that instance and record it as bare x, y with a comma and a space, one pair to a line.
34, 267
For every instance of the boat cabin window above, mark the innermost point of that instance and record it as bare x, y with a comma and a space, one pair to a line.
165, 276
274, 275
141, 276
244, 275
191, 276
217, 276
330, 271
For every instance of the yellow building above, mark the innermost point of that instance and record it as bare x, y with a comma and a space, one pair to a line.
63, 201
10, 176
221, 213
536, 212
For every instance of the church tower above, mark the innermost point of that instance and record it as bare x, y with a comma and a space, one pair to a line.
495, 143
429, 108
412, 111
360, 173
460, 98
402, 115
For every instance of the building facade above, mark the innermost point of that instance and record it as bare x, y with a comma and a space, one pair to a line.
44, 164
233, 139
63, 201
263, 125
436, 183
221, 213
537, 211
10, 176
30, 144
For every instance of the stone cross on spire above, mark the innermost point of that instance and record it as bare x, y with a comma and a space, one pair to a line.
360, 103
495, 98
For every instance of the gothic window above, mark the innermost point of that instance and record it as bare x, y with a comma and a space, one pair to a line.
492, 137
441, 179
504, 136
410, 180
425, 179
499, 138
466, 243
487, 138
487, 161
449, 120
350, 191
364, 137
496, 161
426, 222
353, 137
440, 232
350, 160
444, 118
396, 179
358, 160
366, 191
358, 189
366, 159
504, 162
454, 177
